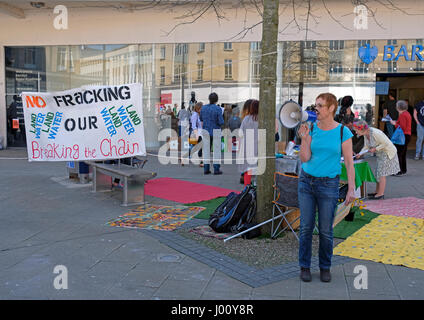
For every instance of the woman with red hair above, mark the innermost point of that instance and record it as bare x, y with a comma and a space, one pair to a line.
318, 189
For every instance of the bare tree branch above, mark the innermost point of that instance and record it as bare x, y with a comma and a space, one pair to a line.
332, 17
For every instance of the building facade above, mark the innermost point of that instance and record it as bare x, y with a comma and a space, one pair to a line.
108, 43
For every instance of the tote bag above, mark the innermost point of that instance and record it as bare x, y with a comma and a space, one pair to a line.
398, 137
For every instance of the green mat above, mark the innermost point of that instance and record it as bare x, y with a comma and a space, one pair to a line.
210, 206
345, 228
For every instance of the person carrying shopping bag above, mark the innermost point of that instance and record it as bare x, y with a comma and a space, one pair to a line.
404, 122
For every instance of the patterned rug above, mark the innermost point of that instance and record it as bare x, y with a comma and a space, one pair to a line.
156, 217
401, 207
207, 231
387, 239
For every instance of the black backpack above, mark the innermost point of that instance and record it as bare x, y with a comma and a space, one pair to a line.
236, 211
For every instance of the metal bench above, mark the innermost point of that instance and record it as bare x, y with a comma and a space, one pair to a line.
133, 179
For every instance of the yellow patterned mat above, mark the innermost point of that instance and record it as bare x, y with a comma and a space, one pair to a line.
387, 239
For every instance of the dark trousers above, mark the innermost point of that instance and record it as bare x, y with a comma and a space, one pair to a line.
200, 151
401, 152
216, 167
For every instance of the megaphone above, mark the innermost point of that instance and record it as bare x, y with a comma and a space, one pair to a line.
291, 114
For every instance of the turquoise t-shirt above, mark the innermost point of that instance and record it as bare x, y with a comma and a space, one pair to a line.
326, 152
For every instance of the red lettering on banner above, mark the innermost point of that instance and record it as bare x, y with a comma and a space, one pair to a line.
123, 148
76, 151
55, 151
34, 101
35, 148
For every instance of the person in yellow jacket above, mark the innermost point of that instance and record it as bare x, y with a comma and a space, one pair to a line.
387, 162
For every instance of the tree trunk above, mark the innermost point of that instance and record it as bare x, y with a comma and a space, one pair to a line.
267, 98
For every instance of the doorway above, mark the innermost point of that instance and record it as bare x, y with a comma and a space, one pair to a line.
405, 86
25, 72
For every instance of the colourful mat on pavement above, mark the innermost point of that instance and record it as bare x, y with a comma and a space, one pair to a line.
402, 207
209, 205
183, 191
345, 229
387, 239
207, 231
156, 217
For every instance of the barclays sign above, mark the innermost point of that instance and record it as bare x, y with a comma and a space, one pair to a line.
368, 54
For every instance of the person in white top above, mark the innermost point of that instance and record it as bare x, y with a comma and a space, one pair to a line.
387, 162
196, 126
183, 121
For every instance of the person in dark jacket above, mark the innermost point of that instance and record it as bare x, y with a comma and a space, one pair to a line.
212, 120
346, 117
12, 113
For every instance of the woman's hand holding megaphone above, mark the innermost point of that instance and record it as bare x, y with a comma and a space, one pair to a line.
304, 130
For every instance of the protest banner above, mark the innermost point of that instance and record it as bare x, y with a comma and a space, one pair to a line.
87, 123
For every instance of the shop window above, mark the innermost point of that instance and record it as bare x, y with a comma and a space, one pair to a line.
71, 62
363, 43
256, 69
177, 73
29, 55
311, 68
181, 49
336, 45
199, 70
61, 59
361, 68
228, 46
179, 70
392, 66
255, 46
312, 45
162, 75
228, 69
336, 69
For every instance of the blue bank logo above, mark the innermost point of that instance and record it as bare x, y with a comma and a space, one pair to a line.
367, 53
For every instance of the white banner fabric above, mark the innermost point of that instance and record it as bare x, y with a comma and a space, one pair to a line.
88, 123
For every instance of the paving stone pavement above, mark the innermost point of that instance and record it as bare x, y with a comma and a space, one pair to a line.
45, 223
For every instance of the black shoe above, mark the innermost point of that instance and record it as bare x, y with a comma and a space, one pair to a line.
207, 172
376, 198
350, 216
372, 194
305, 274
399, 174
325, 275
217, 173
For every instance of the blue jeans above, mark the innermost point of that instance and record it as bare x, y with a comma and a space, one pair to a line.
390, 129
313, 193
206, 164
420, 138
